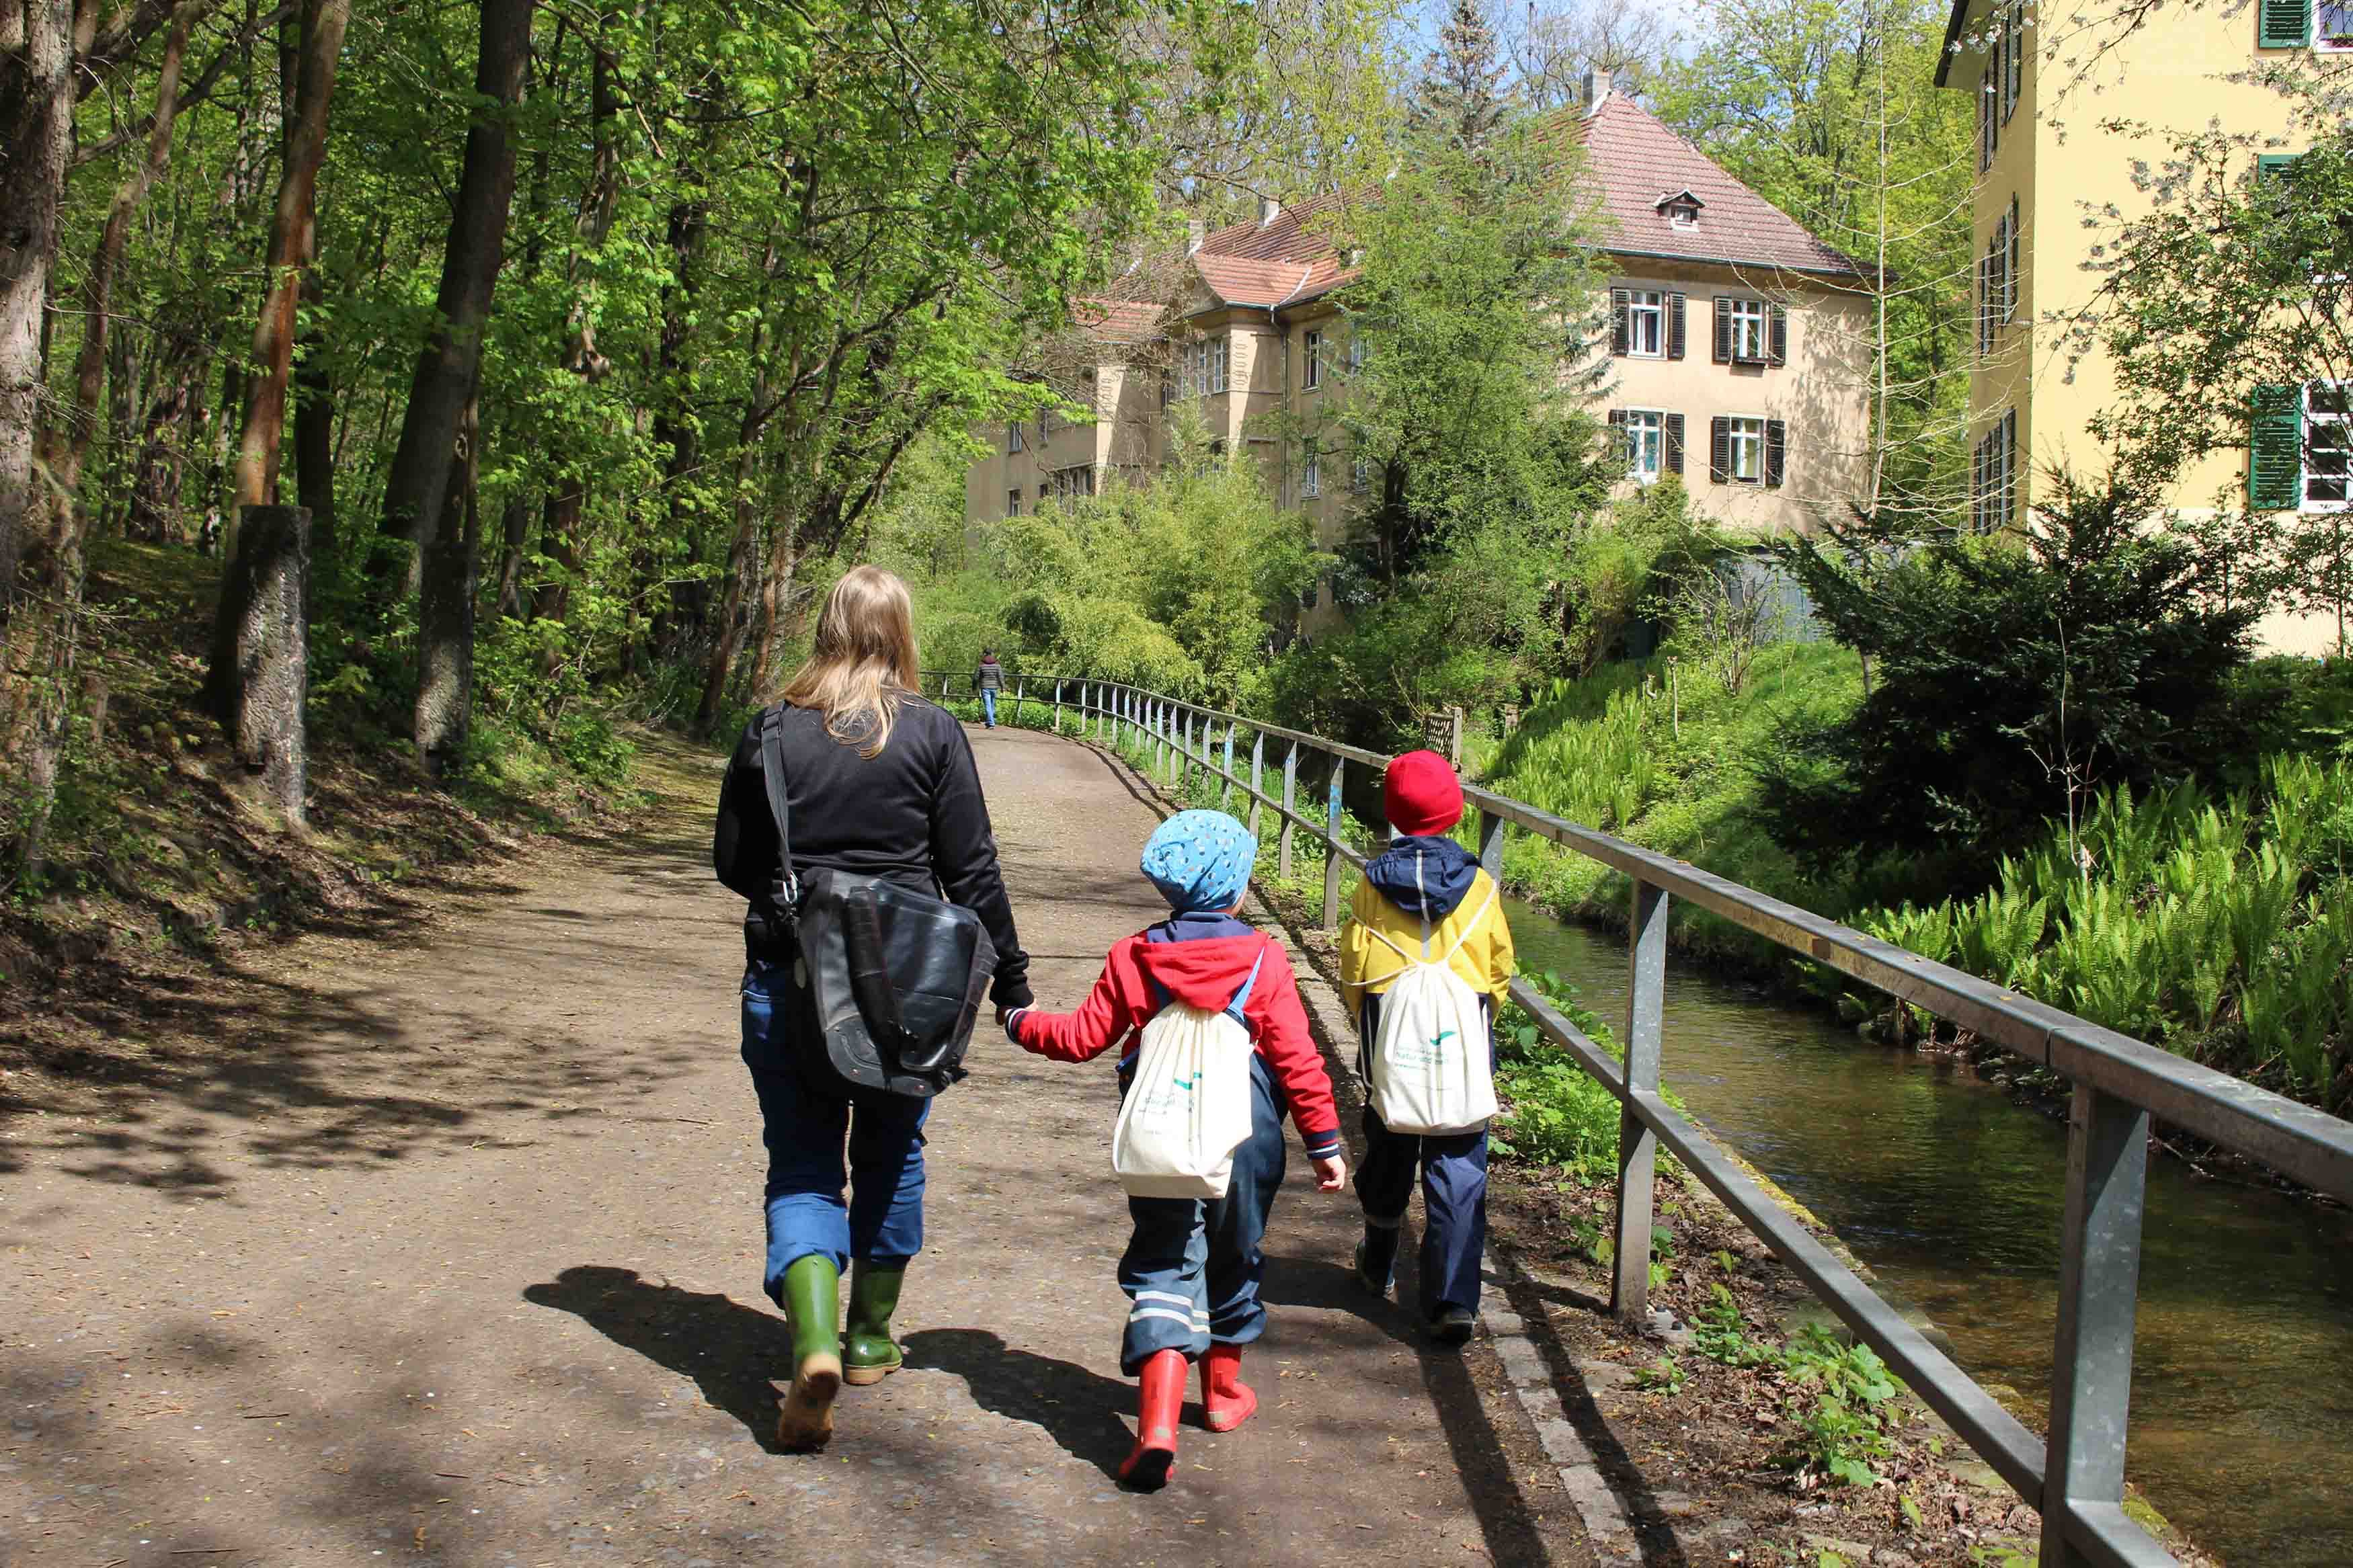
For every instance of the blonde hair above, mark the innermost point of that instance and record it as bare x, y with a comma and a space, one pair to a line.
863, 664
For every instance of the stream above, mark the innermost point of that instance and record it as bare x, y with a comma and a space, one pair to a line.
2242, 1379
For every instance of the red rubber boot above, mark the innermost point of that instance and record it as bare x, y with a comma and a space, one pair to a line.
1161, 1396
1226, 1400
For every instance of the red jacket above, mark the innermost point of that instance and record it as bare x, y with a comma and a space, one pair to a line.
1201, 974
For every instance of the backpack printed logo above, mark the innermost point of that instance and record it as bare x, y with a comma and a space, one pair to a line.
1432, 1071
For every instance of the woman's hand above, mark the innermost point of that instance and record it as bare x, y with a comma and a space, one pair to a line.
1331, 1174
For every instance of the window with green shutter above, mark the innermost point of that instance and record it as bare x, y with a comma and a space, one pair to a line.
2276, 450
2283, 23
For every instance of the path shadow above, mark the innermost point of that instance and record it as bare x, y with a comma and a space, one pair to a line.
731, 1351
1078, 1408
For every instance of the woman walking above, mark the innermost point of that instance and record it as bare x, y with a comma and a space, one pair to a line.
878, 783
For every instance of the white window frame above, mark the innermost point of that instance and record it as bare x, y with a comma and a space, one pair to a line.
1312, 373
2341, 419
1356, 350
1751, 438
1311, 472
2323, 43
1646, 309
1749, 315
1646, 444
1217, 362
1013, 502
1683, 215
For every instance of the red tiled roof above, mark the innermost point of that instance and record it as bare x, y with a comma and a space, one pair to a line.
1280, 262
1119, 320
1636, 162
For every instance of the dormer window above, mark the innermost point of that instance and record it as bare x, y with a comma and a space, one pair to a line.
1680, 208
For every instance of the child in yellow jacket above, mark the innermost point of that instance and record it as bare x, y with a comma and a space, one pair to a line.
1424, 887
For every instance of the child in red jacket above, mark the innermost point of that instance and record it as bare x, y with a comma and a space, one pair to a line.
1192, 1267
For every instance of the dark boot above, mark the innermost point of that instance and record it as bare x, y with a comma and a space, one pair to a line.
1160, 1396
1376, 1258
868, 1355
813, 1306
1226, 1400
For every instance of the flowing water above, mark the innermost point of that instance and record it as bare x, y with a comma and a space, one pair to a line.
2242, 1379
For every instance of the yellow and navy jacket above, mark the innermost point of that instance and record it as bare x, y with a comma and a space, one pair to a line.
1417, 879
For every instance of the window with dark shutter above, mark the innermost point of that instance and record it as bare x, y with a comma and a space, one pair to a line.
1777, 350
1777, 452
2276, 450
2009, 468
2283, 23
1719, 450
1674, 326
2013, 71
1620, 300
1723, 328
2009, 268
1675, 445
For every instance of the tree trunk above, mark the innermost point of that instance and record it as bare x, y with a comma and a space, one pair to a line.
514, 531
155, 509
261, 653
37, 139
314, 434
559, 541
728, 639
43, 535
445, 369
445, 610
294, 241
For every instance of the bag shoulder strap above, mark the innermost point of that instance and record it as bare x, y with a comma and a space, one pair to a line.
772, 773
1235, 1009
1472, 925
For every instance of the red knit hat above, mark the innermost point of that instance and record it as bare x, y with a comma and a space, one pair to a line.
1420, 795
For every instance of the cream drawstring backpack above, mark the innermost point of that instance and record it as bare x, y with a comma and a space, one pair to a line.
1433, 1070
1188, 1104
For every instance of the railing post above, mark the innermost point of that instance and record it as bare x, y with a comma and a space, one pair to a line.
1183, 769
1290, 805
1491, 846
1257, 772
1332, 846
1638, 1146
2099, 1284
1159, 736
1057, 707
1020, 685
1226, 785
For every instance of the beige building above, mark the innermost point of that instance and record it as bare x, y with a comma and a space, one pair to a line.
1738, 346
2050, 98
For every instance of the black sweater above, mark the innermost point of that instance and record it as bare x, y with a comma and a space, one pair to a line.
912, 814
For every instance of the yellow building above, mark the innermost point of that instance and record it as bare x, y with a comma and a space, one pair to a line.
1739, 349
2050, 98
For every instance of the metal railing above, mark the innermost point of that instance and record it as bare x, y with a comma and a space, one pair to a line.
2075, 1475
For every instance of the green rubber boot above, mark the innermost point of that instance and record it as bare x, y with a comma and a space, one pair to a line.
868, 1355
813, 1306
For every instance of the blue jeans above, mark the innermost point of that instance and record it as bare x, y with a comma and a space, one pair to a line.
1192, 1267
989, 704
882, 1220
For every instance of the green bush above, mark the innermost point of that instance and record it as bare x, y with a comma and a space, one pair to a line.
2011, 678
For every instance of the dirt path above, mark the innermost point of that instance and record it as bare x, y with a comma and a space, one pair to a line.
456, 1260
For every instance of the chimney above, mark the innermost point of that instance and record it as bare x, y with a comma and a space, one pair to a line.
1597, 89
1269, 209
1196, 231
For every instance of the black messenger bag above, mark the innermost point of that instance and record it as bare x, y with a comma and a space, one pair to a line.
896, 977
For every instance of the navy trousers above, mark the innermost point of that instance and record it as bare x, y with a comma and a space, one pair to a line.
1192, 1267
1453, 1171
869, 1207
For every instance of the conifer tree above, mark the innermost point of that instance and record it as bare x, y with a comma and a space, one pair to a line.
1460, 91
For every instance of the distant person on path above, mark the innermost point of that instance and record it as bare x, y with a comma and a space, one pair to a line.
881, 783
988, 680
1424, 894
1192, 1267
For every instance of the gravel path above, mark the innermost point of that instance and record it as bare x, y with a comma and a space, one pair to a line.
454, 1259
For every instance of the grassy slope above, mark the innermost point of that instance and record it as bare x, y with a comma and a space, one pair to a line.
1607, 751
